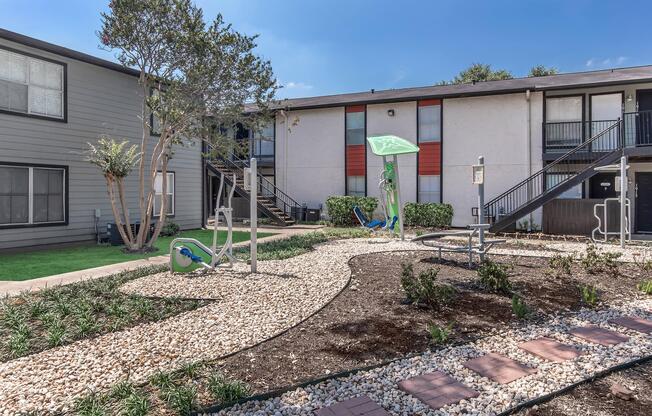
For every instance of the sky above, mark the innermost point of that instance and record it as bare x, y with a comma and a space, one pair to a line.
337, 46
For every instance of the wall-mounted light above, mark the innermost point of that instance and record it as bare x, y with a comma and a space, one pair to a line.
629, 98
390, 112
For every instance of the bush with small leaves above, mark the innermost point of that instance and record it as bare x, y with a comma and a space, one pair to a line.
589, 295
561, 264
439, 334
224, 391
646, 287
424, 289
181, 399
409, 283
595, 262
519, 308
93, 404
494, 277
136, 404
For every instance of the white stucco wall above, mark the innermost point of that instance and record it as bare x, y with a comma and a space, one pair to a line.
402, 124
495, 127
310, 154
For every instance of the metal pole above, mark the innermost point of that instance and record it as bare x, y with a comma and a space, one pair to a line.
253, 211
481, 218
623, 198
398, 198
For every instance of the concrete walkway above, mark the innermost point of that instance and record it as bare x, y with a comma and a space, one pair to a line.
9, 288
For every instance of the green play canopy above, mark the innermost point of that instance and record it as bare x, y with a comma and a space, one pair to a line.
390, 145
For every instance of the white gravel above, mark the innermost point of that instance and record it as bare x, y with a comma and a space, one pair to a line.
380, 384
250, 309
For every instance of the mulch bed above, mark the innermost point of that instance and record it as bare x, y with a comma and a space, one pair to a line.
370, 322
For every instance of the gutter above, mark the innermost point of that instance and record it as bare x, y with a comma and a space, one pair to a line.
528, 98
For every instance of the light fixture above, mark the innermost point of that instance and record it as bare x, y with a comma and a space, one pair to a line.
629, 98
390, 112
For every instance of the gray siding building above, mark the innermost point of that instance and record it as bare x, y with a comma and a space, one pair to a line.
52, 102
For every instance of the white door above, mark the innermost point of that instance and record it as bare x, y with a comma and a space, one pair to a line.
606, 109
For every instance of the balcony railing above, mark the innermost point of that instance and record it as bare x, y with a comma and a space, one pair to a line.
638, 128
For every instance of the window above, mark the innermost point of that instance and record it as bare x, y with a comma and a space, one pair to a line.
355, 128
32, 195
429, 188
355, 185
263, 141
154, 122
553, 179
31, 86
429, 123
159, 194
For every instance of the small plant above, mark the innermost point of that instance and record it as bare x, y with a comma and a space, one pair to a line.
37, 309
136, 404
170, 228
191, 370
122, 390
645, 287
141, 305
438, 334
12, 316
425, 289
589, 295
409, 283
86, 325
181, 399
561, 264
595, 262
91, 405
494, 277
610, 261
18, 344
56, 334
519, 308
224, 391
162, 380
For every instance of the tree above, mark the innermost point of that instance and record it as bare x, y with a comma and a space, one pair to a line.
480, 72
542, 71
193, 77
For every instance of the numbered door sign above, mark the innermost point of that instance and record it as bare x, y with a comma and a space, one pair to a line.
478, 174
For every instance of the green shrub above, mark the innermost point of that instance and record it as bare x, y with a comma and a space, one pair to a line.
136, 404
646, 287
340, 208
93, 404
494, 277
224, 391
439, 334
519, 308
595, 262
561, 264
428, 215
170, 228
181, 399
424, 289
589, 295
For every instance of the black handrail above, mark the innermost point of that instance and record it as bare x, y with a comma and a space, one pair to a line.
587, 153
638, 128
287, 204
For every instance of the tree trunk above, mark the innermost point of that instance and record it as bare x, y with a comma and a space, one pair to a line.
163, 211
125, 210
142, 232
116, 214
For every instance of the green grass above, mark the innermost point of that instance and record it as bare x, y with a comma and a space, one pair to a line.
30, 265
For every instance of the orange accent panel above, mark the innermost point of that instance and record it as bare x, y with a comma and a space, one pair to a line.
355, 108
430, 158
355, 160
424, 103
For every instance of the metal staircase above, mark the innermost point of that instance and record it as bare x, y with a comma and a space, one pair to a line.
272, 202
573, 167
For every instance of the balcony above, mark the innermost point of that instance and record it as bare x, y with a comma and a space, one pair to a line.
560, 137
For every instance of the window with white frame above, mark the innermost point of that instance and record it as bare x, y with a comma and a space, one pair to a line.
30, 85
168, 194
355, 185
429, 123
429, 188
32, 195
554, 179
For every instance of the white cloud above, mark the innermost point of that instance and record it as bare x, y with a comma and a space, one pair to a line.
605, 62
297, 86
590, 62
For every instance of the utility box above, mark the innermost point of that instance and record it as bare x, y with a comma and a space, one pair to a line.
313, 214
115, 239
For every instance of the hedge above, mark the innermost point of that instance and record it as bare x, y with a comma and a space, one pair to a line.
428, 215
340, 208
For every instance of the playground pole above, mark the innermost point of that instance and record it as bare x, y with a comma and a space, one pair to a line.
481, 205
253, 211
398, 198
623, 198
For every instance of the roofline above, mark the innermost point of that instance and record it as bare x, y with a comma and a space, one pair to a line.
66, 52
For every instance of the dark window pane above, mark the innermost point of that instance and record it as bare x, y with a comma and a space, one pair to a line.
41, 181
56, 181
5, 209
19, 209
40, 208
55, 208
5, 180
19, 181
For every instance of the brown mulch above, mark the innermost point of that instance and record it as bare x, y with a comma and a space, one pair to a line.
370, 322
596, 399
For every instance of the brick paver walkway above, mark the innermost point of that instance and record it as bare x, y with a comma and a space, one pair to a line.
599, 335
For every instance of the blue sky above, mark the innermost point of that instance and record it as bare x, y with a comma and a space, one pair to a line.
335, 46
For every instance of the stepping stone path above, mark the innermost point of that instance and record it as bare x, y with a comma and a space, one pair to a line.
599, 335
360, 406
437, 389
637, 324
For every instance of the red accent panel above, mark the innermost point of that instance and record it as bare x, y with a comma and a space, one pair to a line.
355, 165
430, 158
424, 103
355, 108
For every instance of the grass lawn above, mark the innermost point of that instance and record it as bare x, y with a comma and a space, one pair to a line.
30, 265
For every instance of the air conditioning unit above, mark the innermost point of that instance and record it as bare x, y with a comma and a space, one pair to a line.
115, 239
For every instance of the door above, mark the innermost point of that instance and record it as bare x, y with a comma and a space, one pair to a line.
603, 185
606, 109
643, 210
644, 117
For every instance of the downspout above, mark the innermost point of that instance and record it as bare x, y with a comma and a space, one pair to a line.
528, 97
285, 148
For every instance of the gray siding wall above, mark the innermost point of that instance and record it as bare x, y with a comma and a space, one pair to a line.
100, 101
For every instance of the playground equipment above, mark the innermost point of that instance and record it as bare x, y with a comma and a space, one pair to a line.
475, 230
390, 194
624, 231
187, 254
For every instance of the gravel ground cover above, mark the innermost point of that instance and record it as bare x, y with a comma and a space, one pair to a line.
380, 384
